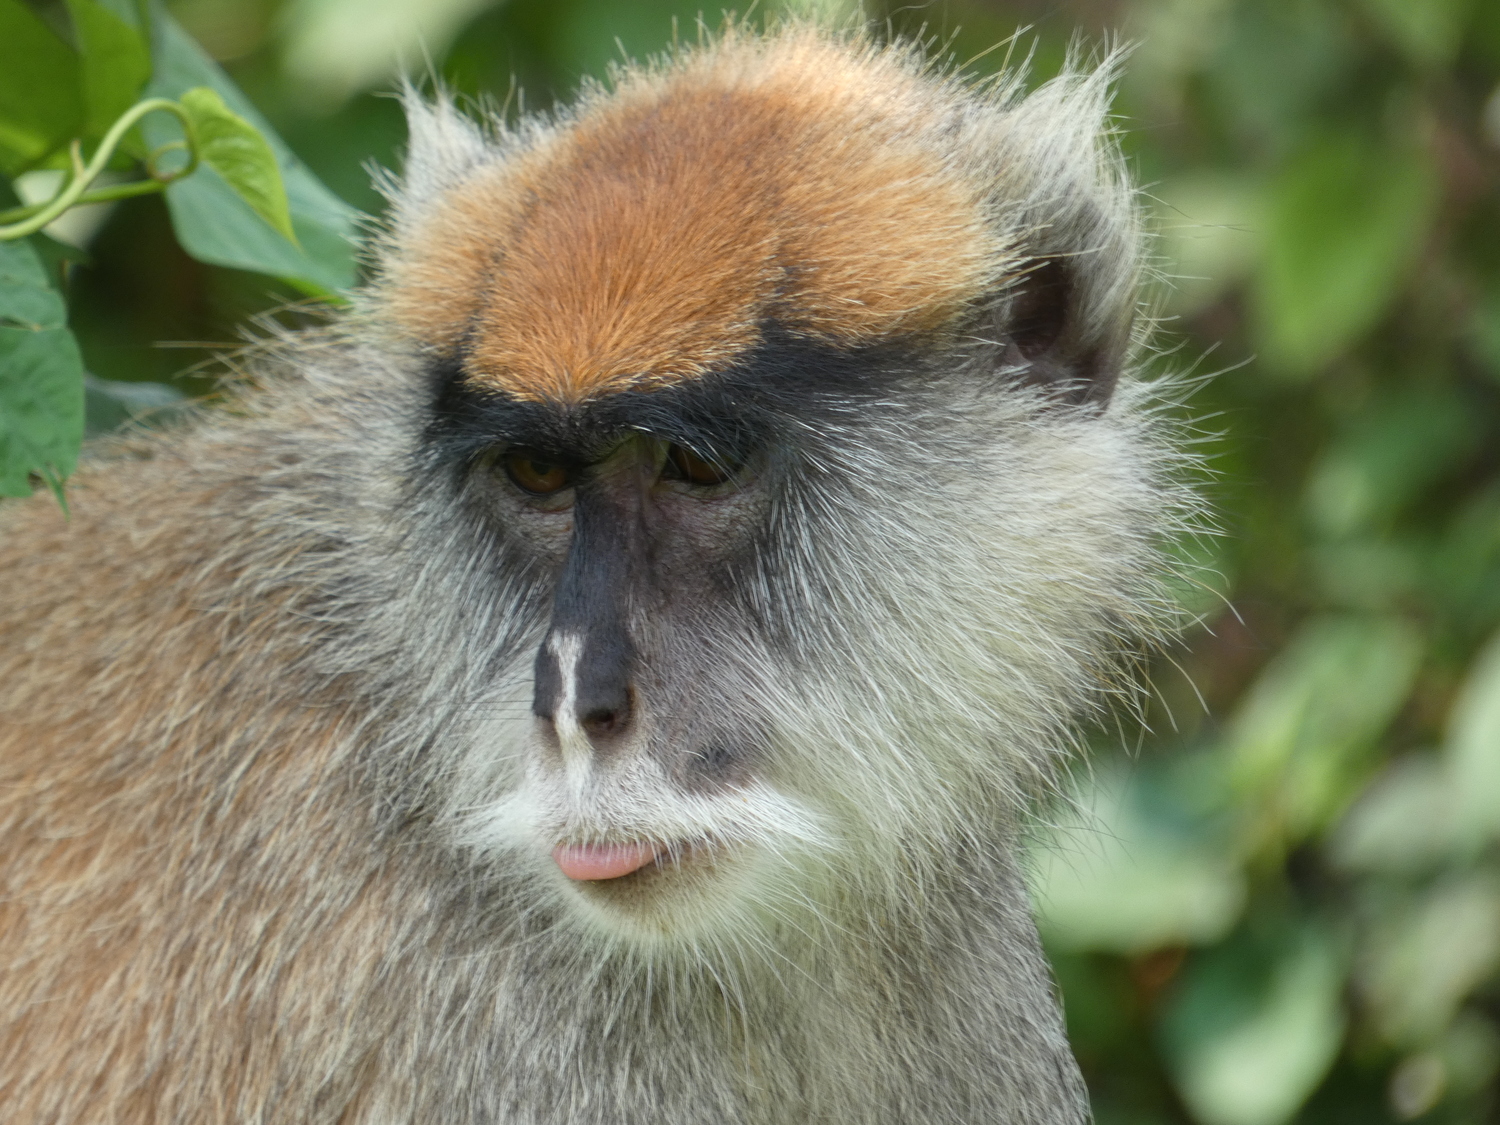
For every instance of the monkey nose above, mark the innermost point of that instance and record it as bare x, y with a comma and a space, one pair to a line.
584, 688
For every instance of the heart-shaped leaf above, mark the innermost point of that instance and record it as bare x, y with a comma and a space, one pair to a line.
213, 222
235, 149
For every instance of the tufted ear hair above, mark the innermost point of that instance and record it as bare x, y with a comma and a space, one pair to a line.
1049, 338
1060, 318
443, 147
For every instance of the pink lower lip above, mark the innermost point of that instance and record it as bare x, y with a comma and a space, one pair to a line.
603, 861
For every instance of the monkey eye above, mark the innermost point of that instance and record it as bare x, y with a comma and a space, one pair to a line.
685, 465
533, 473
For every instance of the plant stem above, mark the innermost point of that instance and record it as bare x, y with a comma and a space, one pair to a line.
76, 191
98, 195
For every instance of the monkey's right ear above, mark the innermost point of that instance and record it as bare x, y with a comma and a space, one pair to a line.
443, 147
1050, 339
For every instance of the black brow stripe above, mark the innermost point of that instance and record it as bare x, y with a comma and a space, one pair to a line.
786, 385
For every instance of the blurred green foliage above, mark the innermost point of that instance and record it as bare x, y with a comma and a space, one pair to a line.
121, 88
1282, 902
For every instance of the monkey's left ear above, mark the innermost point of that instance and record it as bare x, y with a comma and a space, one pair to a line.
1049, 338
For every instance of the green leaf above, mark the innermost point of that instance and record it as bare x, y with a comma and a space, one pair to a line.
1473, 744
1404, 823
1345, 220
1137, 874
41, 376
41, 104
1427, 954
235, 149
1254, 1025
1299, 741
214, 223
1388, 454
116, 63
1427, 810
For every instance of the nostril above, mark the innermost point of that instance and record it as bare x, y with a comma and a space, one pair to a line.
604, 722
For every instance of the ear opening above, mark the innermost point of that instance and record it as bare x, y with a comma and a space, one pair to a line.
1046, 341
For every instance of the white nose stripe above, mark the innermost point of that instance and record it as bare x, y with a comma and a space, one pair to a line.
577, 751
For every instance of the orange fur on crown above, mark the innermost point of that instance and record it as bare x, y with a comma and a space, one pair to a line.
645, 241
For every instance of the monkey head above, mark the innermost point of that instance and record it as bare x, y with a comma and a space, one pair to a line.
780, 482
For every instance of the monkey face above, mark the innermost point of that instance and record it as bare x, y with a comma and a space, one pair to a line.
642, 783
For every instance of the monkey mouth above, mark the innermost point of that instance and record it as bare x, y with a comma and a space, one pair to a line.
599, 863
594, 862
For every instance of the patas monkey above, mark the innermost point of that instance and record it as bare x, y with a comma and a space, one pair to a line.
603, 678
